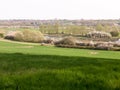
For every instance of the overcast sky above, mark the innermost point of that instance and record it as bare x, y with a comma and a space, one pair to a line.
59, 9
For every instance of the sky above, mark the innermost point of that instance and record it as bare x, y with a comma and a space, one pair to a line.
59, 9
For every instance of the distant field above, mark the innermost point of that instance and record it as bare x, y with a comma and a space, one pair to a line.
17, 29
34, 67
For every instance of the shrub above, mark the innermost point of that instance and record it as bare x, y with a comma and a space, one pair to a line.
29, 36
48, 41
67, 41
19, 36
1, 35
9, 37
104, 46
114, 33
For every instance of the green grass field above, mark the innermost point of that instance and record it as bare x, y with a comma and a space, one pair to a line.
34, 67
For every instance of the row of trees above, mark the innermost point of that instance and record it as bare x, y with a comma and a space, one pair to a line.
76, 29
67, 29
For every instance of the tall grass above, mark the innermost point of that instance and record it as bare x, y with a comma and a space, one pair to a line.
49, 72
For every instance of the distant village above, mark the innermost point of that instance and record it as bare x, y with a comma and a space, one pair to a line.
37, 23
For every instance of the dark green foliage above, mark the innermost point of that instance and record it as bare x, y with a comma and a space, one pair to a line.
67, 41
114, 33
1, 35
9, 37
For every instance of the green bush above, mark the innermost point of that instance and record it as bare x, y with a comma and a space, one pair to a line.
9, 37
29, 36
1, 35
67, 41
114, 33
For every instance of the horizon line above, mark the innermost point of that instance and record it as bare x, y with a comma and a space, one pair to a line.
59, 19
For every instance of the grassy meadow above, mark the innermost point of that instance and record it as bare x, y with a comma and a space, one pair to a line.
35, 67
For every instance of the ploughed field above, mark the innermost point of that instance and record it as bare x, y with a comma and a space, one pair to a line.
35, 67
